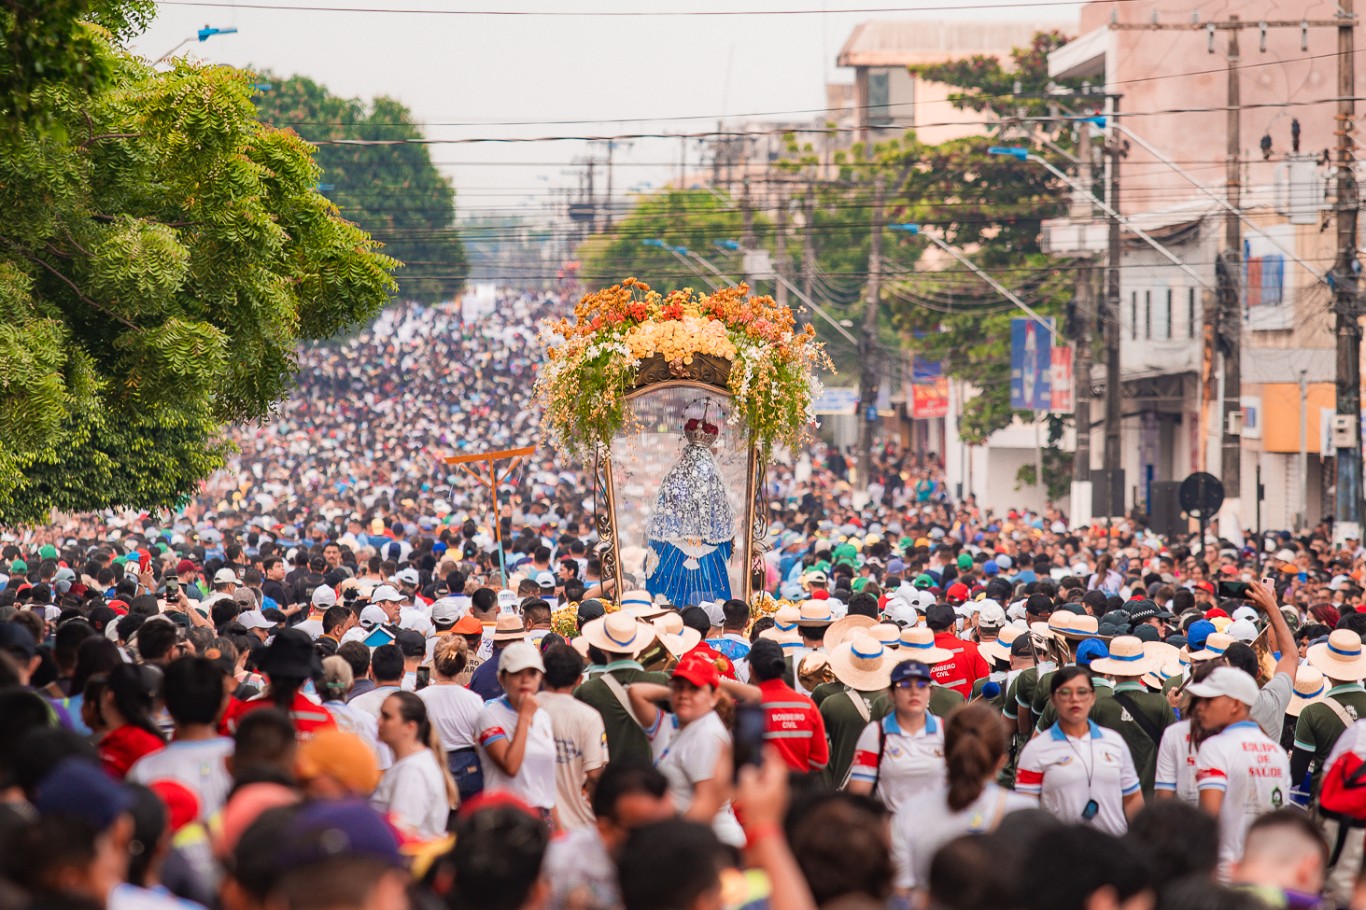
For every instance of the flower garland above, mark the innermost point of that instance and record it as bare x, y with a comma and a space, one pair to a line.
773, 386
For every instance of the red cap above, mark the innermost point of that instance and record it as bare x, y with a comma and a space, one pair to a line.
185, 566
698, 669
1216, 613
1205, 586
723, 664
119, 607
820, 594
181, 802
957, 593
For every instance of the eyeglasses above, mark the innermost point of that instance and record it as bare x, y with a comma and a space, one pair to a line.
1077, 694
914, 683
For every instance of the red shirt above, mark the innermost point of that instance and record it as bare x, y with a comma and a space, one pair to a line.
793, 725
963, 669
122, 747
309, 717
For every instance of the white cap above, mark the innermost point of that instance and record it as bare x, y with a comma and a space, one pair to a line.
1245, 613
901, 612
373, 616
254, 619
1003, 561
386, 593
1242, 630
324, 596
409, 576
545, 579
226, 576
519, 656
447, 610
1228, 681
991, 615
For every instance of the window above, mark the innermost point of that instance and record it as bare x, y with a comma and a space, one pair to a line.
879, 97
1190, 312
1148, 315
1133, 315
1168, 334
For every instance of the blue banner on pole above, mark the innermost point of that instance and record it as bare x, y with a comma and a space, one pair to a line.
1031, 360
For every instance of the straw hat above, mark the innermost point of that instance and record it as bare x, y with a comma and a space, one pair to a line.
1066, 624
1126, 658
1215, 646
1156, 679
1309, 690
786, 616
618, 633
917, 643
1164, 653
1000, 648
841, 629
862, 663
788, 638
889, 633
509, 627
674, 636
1341, 657
815, 613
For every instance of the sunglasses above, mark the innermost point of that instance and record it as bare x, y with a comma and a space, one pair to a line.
914, 683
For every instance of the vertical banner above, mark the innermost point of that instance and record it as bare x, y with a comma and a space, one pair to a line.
1060, 376
929, 390
1031, 366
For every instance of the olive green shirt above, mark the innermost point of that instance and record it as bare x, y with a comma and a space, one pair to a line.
844, 724
1319, 726
626, 741
1108, 712
943, 700
999, 702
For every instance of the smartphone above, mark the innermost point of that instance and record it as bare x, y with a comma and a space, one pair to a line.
748, 738
173, 587
1232, 589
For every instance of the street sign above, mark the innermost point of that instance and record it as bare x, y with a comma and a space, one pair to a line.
1031, 368
1201, 495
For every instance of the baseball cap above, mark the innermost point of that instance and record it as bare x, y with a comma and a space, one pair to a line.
254, 619
1229, 682
957, 593
226, 576
990, 615
323, 596
909, 669
411, 642
519, 656
386, 594
329, 829
468, 625
341, 755
1199, 630
373, 616
80, 789
545, 580
184, 567
17, 638
409, 576
446, 611
940, 616
591, 609
1091, 649
697, 669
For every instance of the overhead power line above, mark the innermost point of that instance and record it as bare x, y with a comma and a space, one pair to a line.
626, 14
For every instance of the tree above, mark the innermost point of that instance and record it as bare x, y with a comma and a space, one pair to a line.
392, 191
691, 219
162, 255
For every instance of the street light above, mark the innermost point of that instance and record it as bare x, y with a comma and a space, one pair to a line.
1023, 154
204, 34
734, 246
681, 254
915, 231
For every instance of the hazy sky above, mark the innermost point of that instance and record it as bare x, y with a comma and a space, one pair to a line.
467, 76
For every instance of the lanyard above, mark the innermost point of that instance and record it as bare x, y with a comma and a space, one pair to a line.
1091, 768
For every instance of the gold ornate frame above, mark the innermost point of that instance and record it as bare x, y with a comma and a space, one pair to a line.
710, 374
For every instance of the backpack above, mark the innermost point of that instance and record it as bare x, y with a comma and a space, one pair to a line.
1342, 793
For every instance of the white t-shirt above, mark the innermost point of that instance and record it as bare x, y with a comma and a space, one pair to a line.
198, 764
413, 792
1066, 774
1253, 771
911, 763
314, 628
535, 780
415, 619
371, 702
689, 758
580, 747
1176, 763
453, 710
925, 823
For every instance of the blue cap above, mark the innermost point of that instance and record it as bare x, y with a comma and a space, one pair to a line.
1089, 650
334, 828
78, 788
910, 669
1199, 630
990, 568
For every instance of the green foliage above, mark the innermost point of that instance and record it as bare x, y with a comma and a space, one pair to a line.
692, 219
392, 191
163, 254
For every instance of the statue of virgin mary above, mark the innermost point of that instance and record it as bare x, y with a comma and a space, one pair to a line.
691, 530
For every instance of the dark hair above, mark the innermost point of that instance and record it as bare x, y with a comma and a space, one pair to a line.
1353, 622
736, 613
334, 617
863, 604
1066, 675
1175, 839
68, 638
696, 618
974, 741
1066, 867
224, 611
265, 738
695, 861
563, 666
625, 778
841, 843
156, 639
94, 655
21, 711
133, 688
150, 820
484, 599
766, 660
413, 710
193, 690
536, 611
357, 655
451, 656
1240, 656
387, 662
761, 625
499, 860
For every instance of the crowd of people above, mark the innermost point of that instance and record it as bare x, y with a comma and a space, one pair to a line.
322, 685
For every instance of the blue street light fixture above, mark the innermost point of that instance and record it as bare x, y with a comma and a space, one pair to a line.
1009, 151
208, 32
728, 245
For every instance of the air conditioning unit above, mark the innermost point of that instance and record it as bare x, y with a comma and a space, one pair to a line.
1345, 433
1235, 423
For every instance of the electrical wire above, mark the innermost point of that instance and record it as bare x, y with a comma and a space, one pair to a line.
623, 14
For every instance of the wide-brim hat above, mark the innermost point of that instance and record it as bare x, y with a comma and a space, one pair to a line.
509, 627
1340, 657
678, 643
1162, 652
862, 663
840, 630
1156, 679
1310, 689
1127, 658
618, 633
999, 648
1216, 643
917, 643
291, 655
785, 637
1075, 626
815, 613
889, 633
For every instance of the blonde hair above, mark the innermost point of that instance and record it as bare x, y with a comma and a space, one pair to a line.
451, 656
338, 677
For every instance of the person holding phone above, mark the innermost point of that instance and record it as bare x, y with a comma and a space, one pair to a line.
1273, 699
1079, 770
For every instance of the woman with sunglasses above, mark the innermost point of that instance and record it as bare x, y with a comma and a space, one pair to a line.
903, 753
1079, 770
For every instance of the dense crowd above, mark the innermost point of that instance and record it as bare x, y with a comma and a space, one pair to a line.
321, 685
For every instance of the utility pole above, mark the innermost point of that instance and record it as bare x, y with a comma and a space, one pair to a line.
592, 200
809, 242
780, 249
1113, 394
1349, 506
1229, 327
607, 207
1083, 318
868, 348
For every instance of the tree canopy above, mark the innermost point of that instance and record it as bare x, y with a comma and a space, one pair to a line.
392, 191
162, 255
